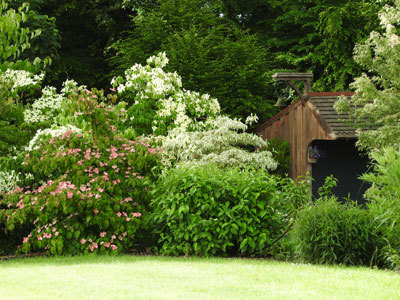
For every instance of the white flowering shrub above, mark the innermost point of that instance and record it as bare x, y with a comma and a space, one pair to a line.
18, 79
157, 102
375, 107
8, 181
193, 130
44, 108
223, 142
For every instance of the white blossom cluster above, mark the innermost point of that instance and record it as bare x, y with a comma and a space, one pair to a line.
44, 108
159, 61
16, 79
185, 107
68, 86
148, 81
8, 181
52, 132
222, 142
176, 107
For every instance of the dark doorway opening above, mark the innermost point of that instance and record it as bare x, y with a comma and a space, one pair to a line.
341, 159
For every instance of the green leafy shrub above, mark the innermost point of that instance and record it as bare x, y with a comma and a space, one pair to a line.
383, 196
328, 231
207, 210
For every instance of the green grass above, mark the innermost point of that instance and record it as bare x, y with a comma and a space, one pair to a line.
130, 277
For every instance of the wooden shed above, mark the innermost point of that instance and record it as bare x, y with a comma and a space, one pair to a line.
313, 125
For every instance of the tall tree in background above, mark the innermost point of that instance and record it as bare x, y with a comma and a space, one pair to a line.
310, 35
211, 53
87, 28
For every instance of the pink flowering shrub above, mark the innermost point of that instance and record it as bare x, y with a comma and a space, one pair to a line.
89, 192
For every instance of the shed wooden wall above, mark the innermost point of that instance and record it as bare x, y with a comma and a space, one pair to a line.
298, 124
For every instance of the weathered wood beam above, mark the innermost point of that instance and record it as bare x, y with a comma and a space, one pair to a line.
289, 77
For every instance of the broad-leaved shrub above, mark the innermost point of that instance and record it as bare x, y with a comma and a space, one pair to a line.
87, 191
207, 210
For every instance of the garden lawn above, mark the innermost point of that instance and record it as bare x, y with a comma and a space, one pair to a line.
132, 277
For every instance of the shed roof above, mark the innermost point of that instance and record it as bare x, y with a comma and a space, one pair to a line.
335, 122
321, 103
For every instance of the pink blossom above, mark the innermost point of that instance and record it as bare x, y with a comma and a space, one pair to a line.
83, 188
114, 247
25, 240
83, 241
113, 237
136, 214
54, 229
69, 194
87, 156
96, 170
95, 211
63, 154
39, 238
113, 155
119, 214
27, 155
100, 189
103, 234
97, 196
56, 233
128, 219
152, 151
107, 244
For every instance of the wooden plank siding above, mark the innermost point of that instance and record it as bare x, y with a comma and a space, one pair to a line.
298, 124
